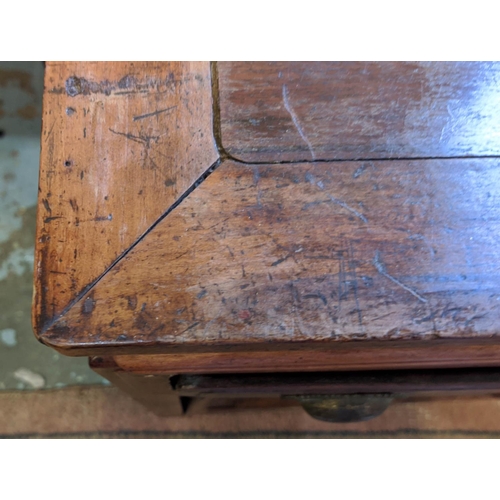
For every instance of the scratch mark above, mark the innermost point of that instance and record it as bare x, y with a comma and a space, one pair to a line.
352, 265
218, 224
256, 178
46, 205
101, 218
442, 134
50, 131
295, 295
154, 113
342, 284
50, 219
146, 140
181, 255
450, 125
347, 207
310, 178
380, 267
307, 206
158, 285
256, 174
189, 327
325, 257
128, 136
359, 171
126, 92
296, 122
316, 296
279, 261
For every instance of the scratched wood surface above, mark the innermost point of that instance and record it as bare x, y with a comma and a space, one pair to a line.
121, 142
296, 111
310, 254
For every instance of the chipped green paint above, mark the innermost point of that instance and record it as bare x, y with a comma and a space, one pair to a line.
24, 363
8, 337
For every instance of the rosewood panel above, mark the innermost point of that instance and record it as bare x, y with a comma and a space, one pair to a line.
303, 111
314, 253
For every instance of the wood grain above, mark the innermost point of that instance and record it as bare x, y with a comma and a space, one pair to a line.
360, 356
298, 111
320, 253
121, 143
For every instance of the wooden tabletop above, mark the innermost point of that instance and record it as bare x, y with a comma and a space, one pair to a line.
271, 216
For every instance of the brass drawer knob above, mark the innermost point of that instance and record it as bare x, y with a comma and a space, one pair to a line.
345, 407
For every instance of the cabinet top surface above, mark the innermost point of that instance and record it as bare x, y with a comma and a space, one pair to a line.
196, 207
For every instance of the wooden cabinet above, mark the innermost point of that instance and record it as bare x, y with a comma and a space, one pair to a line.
282, 219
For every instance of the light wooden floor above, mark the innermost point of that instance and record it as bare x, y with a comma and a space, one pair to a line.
107, 413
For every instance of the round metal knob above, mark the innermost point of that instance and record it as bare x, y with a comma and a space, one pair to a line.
345, 407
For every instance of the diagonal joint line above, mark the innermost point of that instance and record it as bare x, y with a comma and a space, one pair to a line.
172, 207
222, 155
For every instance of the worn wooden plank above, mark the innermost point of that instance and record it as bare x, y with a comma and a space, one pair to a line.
298, 111
317, 253
380, 355
121, 143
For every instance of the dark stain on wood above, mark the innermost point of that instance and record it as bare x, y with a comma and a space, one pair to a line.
78, 85
88, 305
132, 302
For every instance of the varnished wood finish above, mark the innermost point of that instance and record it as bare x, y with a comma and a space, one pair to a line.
314, 253
298, 111
154, 392
379, 355
262, 267
121, 143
